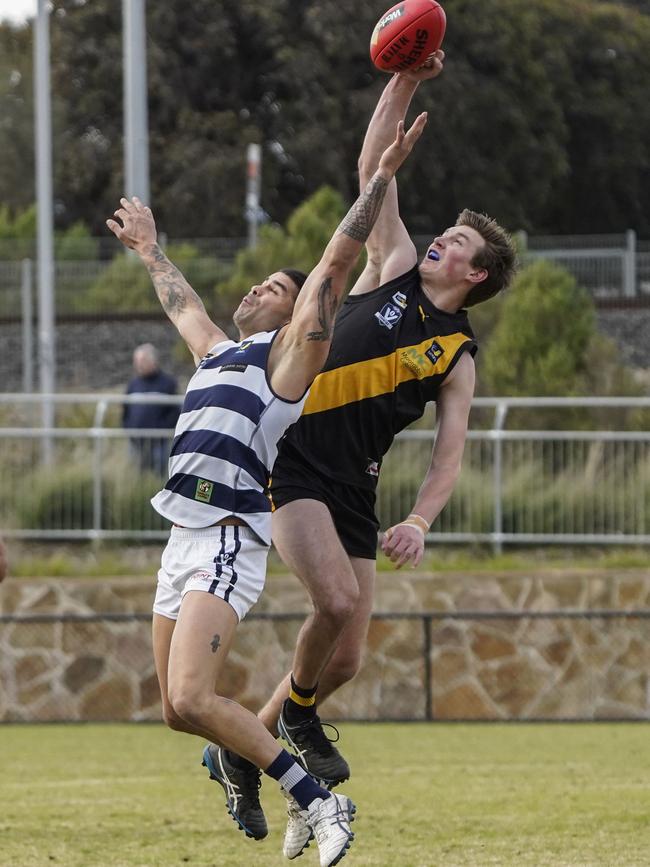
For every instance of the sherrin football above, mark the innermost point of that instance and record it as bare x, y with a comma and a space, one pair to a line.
407, 34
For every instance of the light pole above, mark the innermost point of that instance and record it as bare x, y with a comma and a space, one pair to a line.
45, 222
136, 127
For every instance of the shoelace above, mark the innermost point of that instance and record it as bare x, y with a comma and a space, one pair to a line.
312, 731
252, 780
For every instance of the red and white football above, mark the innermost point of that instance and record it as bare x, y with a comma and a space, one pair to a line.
407, 34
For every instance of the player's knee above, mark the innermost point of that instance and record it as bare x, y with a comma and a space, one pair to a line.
339, 606
185, 704
172, 720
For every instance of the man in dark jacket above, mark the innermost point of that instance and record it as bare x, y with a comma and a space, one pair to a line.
151, 452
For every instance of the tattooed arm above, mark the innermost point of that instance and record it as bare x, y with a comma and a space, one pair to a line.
134, 226
301, 348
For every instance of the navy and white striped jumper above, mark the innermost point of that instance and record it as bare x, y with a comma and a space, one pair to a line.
226, 439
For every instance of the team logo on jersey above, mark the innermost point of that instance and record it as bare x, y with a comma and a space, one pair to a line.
373, 468
389, 315
245, 345
434, 352
203, 491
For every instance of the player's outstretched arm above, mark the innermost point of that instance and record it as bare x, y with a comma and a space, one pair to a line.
134, 226
390, 249
301, 348
391, 108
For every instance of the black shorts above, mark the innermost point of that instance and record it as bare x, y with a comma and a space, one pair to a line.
352, 508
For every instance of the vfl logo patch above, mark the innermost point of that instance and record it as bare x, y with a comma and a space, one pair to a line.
227, 559
389, 315
203, 491
434, 352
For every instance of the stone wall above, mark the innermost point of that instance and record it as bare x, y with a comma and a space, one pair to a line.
480, 666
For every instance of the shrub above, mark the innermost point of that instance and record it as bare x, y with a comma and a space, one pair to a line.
58, 498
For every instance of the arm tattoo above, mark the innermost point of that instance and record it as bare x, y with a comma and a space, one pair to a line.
361, 217
327, 304
215, 644
173, 290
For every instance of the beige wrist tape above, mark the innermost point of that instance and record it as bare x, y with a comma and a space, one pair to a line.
417, 521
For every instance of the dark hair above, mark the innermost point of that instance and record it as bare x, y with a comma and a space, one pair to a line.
498, 256
298, 277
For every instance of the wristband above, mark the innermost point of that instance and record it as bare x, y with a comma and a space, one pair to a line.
415, 520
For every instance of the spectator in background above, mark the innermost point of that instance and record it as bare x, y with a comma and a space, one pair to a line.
152, 452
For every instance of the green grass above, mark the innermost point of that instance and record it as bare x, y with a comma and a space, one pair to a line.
427, 795
85, 560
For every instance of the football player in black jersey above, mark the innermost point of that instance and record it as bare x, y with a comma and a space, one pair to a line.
408, 318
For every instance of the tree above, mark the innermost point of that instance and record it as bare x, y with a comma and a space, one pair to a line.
539, 346
541, 118
308, 231
545, 343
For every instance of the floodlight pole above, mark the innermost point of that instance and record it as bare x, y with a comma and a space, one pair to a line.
45, 222
136, 127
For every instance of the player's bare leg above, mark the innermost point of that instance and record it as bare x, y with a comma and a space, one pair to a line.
307, 541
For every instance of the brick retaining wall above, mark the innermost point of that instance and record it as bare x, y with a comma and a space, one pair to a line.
485, 667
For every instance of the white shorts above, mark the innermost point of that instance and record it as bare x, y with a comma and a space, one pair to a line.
229, 562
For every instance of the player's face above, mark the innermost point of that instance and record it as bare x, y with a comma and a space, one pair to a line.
267, 306
448, 261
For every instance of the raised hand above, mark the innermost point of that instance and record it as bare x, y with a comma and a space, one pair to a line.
397, 152
431, 68
136, 228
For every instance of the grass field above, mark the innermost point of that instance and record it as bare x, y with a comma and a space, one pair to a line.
106, 795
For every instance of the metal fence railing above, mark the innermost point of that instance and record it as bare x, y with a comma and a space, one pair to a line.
85, 478
452, 666
94, 282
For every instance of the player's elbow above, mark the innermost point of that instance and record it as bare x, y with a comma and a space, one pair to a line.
367, 167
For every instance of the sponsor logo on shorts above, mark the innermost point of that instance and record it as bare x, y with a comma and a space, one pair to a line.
203, 491
202, 575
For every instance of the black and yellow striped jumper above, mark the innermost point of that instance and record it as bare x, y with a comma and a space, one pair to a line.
391, 351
